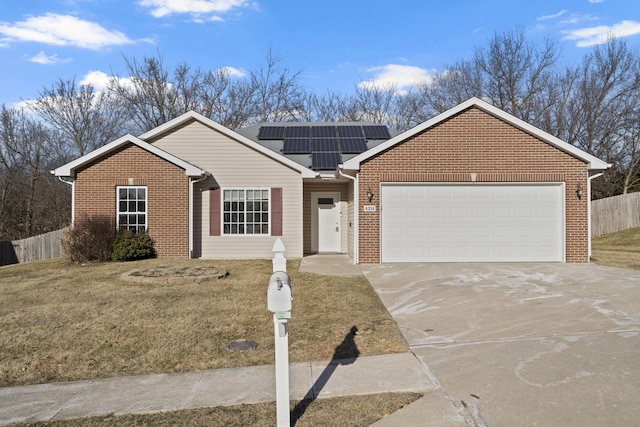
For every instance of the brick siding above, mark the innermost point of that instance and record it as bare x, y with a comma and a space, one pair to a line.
167, 194
475, 142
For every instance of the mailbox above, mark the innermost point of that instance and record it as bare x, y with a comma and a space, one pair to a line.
279, 293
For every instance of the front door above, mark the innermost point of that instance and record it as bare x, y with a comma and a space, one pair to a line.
327, 209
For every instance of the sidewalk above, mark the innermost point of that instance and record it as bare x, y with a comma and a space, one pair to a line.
221, 387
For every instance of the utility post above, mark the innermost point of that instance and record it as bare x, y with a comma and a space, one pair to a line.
279, 302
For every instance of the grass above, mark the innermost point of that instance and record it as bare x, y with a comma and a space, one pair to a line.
621, 249
62, 322
352, 411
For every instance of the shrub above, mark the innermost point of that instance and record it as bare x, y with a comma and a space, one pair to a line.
129, 246
89, 239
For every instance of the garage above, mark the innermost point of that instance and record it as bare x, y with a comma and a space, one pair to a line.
472, 222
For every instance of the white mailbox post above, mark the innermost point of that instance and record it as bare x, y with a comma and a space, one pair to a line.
279, 302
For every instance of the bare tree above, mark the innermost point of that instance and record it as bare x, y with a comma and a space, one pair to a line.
511, 73
31, 201
89, 119
152, 96
277, 93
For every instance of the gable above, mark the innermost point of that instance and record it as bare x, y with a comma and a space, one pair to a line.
69, 169
185, 121
474, 140
224, 157
590, 161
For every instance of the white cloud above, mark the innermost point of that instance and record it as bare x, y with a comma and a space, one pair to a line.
160, 8
599, 34
98, 79
42, 58
400, 76
62, 30
596, 1
555, 15
233, 72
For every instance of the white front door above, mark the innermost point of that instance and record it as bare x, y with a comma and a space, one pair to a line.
327, 214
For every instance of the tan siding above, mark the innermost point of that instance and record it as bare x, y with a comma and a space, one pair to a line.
234, 165
327, 187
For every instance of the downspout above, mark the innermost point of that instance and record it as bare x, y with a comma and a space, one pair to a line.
191, 190
355, 212
73, 197
589, 209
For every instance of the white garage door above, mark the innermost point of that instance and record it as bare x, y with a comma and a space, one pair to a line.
472, 223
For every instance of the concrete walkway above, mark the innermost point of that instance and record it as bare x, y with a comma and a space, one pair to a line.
221, 387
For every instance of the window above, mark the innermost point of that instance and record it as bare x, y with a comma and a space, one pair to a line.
132, 208
245, 211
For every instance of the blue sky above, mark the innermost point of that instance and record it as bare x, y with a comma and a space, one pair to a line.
336, 45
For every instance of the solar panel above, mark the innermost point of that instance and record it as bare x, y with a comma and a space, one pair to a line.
324, 144
376, 132
271, 132
353, 145
297, 132
349, 131
323, 131
325, 160
296, 146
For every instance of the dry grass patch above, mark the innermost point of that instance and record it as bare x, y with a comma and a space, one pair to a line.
354, 411
61, 321
621, 249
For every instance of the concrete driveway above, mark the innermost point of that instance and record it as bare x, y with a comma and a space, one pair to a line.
521, 344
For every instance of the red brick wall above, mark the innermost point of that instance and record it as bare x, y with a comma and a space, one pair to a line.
474, 142
167, 194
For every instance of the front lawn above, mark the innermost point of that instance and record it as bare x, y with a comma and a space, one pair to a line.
62, 322
621, 249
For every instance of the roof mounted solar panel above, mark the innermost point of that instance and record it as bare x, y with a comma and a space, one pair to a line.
297, 132
349, 131
325, 160
271, 132
296, 146
323, 132
376, 132
353, 145
324, 144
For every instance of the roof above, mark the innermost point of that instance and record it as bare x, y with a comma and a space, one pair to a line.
593, 162
69, 169
192, 115
320, 146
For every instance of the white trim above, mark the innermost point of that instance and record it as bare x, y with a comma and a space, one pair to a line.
146, 204
69, 168
592, 162
245, 189
192, 115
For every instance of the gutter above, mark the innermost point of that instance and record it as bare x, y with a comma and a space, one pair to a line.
191, 189
73, 195
356, 210
589, 210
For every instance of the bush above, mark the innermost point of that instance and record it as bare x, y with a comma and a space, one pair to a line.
129, 246
89, 239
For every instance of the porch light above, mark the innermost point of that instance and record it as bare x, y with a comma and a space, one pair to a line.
579, 191
369, 195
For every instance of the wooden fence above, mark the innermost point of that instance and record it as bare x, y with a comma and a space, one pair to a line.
34, 248
615, 214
